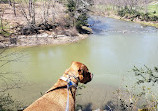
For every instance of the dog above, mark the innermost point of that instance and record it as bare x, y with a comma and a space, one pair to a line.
62, 94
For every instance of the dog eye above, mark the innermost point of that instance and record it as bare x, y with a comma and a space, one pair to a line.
79, 70
83, 73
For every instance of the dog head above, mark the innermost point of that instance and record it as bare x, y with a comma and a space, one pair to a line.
81, 72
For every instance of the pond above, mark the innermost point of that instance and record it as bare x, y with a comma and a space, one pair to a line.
110, 54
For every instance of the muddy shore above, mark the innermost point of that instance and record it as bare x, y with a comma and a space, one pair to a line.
40, 39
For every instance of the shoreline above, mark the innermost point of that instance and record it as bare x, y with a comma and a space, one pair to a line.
41, 40
114, 16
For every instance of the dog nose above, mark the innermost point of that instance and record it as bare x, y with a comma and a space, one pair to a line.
91, 76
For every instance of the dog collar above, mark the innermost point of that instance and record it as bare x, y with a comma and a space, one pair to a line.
74, 77
69, 82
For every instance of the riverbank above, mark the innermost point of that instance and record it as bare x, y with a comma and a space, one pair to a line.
48, 23
112, 14
41, 39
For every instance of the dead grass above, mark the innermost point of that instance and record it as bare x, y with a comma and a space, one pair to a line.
56, 13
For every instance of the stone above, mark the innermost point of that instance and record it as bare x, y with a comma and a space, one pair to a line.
43, 35
87, 29
60, 35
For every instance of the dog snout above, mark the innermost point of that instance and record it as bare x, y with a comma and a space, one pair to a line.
91, 75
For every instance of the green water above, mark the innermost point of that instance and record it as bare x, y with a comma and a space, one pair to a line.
110, 54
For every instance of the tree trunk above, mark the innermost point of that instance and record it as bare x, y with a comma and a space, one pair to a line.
10, 2
32, 11
1, 23
1, 26
14, 7
146, 6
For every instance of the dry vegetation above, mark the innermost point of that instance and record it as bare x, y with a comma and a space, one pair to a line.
42, 13
140, 11
35, 17
49, 12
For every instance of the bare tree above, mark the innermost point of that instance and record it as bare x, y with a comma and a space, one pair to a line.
131, 4
146, 2
1, 20
14, 8
30, 13
39, 15
10, 2
46, 10
27, 9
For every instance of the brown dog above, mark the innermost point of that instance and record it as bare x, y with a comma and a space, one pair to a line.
56, 97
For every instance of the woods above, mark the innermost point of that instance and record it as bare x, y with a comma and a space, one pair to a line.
33, 16
143, 10
131, 4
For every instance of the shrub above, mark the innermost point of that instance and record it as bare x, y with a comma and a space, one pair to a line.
154, 18
77, 14
71, 5
140, 95
5, 102
81, 21
126, 12
4, 1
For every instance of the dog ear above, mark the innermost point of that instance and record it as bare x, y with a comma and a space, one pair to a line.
72, 62
81, 69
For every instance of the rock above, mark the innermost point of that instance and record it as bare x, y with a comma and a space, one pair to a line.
11, 27
41, 31
60, 35
13, 40
43, 35
2, 45
86, 30
101, 110
97, 110
29, 29
53, 33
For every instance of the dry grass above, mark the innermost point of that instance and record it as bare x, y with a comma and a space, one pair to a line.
56, 13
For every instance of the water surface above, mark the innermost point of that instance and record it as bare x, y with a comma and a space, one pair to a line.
110, 53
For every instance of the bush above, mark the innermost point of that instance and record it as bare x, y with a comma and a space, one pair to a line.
132, 14
5, 101
81, 21
154, 18
71, 10
77, 14
140, 95
4, 1
71, 6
